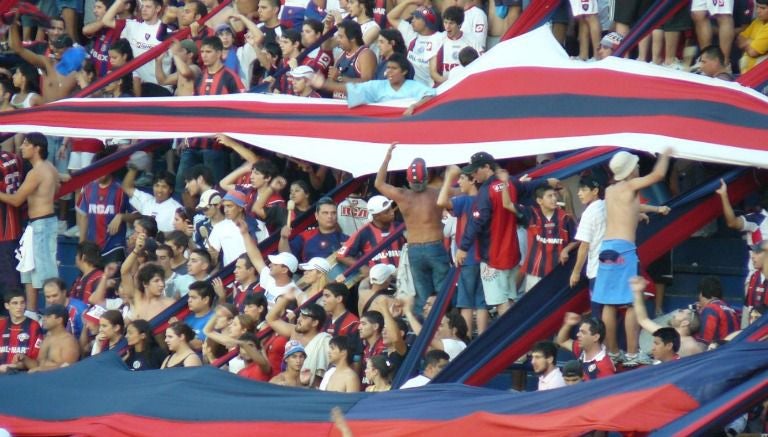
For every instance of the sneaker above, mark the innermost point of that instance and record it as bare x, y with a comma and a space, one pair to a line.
639, 359
72, 232
61, 227
617, 357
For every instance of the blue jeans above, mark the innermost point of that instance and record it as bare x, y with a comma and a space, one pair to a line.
216, 160
44, 247
429, 266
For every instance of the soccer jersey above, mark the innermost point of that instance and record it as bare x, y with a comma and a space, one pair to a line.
100, 205
292, 14
85, 285
345, 324
23, 338
475, 27
352, 214
599, 366
239, 293
364, 240
224, 81
143, 37
717, 321
313, 243
75, 310
101, 41
448, 55
319, 60
463, 210
547, 236
756, 286
10, 180
421, 48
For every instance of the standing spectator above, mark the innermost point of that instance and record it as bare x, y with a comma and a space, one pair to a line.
299, 83
341, 322
37, 260
703, 12
159, 204
341, 377
470, 297
88, 261
10, 221
371, 329
380, 278
256, 367
451, 335
320, 60
585, 12
573, 373
178, 337
184, 55
321, 241
588, 347
269, 18
143, 351
103, 37
277, 278
475, 26
21, 336
315, 277
225, 240
423, 219
59, 348
590, 233
27, 82
362, 12
753, 226
447, 57
753, 40
150, 300
421, 35
357, 64
56, 293
210, 205
543, 357
718, 319
391, 42
352, 213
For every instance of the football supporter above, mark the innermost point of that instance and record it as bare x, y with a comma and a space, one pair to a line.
143, 351
315, 278
704, 12
299, 82
269, 22
590, 231
395, 330
300, 193
550, 232
447, 57
256, 365
475, 25
308, 331
21, 336
757, 282
362, 11
294, 361
380, 278
573, 373
178, 241
151, 299
588, 346
87, 260
451, 335
543, 357
608, 44
427, 256
666, 344
585, 12
56, 294
197, 180
754, 226
277, 278
200, 303
224, 240
210, 206
421, 35
341, 377
321, 241
753, 40
718, 319
102, 37
246, 281
379, 371
110, 336
320, 60
434, 362
712, 63
341, 321
184, 55
371, 330
357, 63
59, 348
390, 42
37, 253
178, 337
159, 204
369, 236
10, 225
26, 80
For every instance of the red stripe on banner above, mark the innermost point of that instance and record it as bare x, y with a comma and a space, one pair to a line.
584, 155
532, 15
754, 77
115, 425
541, 330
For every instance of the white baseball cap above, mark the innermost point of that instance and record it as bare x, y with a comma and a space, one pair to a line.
316, 263
378, 204
285, 259
209, 198
302, 71
380, 273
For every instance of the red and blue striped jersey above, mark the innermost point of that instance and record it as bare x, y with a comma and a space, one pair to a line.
23, 338
368, 237
101, 41
756, 287
463, 209
100, 205
717, 321
85, 285
546, 238
11, 173
312, 243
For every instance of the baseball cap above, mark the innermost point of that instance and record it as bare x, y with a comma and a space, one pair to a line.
209, 198
224, 27
573, 368
622, 164
380, 273
378, 204
302, 71
612, 40
316, 263
57, 310
429, 16
293, 348
478, 160
237, 198
189, 46
284, 259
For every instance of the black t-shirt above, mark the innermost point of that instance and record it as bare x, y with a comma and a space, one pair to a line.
151, 359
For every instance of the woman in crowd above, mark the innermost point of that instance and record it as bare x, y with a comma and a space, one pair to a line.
110, 336
177, 337
143, 351
379, 371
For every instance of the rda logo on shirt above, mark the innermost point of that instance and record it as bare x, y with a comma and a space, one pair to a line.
146, 36
22, 337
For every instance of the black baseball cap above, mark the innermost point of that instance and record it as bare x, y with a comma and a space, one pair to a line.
573, 368
478, 160
57, 310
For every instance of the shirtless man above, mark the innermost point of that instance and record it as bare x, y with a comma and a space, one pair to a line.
187, 71
686, 321
38, 244
341, 377
58, 73
423, 220
618, 253
59, 347
151, 300
294, 359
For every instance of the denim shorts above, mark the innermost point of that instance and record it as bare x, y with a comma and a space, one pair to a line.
44, 233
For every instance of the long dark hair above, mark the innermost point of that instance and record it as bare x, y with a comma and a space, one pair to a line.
143, 327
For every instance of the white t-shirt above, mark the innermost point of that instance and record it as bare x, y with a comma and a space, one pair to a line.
271, 290
475, 28
450, 51
163, 213
143, 37
365, 27
553, 379
425, 47
225, 237
592, 230
416, 381
326, 379
453, 347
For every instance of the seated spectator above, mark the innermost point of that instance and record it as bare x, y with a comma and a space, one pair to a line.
200, 302
666, 345
451, 335
59, 348
308, 330
685, 321
382, 224
342, 322
87, 260
256, 364
265, 205
315, 278
151, 299
380, 278
159, 204
718, 319
543, 357
379, 372
588, 347
55, 294
110, 336
321, 241
434, 362
277, 278
294, 361
573, 372
341, 377
143, 351
178, 337
754, 39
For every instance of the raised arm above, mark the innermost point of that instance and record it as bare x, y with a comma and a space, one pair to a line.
129, 181
381, 184
656, 175
251, 248
390, 325
217, 336
638, 284
280, 326
246, 153
229, 181
563, 336
506, 200
99, 295
108, 20
731, 220
14, 43
395, 15
444, 197
256, 355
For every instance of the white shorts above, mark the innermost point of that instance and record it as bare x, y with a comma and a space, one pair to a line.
714, 7
80, 160
499, 286
584, 7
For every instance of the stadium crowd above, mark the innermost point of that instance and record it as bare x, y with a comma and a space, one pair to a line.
315, 312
